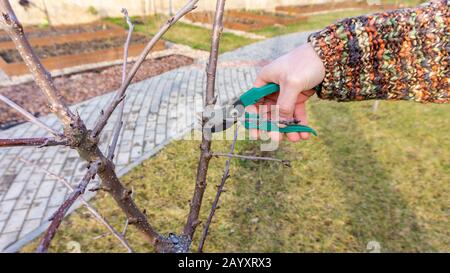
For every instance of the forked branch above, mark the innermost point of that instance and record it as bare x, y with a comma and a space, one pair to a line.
84, 140
225, 176
101, 123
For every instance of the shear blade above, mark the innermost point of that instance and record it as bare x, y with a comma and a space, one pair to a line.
223, 118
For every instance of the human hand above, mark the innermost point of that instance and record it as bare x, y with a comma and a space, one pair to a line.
297, 73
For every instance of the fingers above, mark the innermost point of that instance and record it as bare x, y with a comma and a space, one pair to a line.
289, 110
293, 137
259, 82
290, 100
300, 114
286, 102
265, 76
254, 133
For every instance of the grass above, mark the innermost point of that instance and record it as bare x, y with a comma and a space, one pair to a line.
320, 21
367, 177
312, 23
182, 33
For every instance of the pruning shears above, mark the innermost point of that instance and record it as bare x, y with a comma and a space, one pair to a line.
223, 118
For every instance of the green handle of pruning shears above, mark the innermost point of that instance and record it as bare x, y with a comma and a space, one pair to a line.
256, 93
252, 121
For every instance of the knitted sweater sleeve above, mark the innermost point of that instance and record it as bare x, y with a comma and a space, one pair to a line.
401, 54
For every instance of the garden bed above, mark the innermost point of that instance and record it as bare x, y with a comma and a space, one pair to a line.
36, 32
65, 47
246, 20
73, 48
79, 87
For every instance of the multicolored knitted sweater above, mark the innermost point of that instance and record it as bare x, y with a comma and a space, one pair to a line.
401, 54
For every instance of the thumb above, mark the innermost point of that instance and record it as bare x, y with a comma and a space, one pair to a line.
286, 102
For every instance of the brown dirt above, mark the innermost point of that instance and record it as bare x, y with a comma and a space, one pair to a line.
246, 20
80, 87
72, 48
34, 31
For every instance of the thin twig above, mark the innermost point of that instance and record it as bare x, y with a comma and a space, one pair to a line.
28, 115
58, 216
38, 141
106, 113
119, 122
226, 174
91, 209
249, 157
205, 147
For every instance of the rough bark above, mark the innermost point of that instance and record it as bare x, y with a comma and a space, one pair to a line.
205, 146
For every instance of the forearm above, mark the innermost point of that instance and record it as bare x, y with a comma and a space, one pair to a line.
401, 54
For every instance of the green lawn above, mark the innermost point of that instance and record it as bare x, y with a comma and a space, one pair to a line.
315, 22
320, 21
367, 177
182, 33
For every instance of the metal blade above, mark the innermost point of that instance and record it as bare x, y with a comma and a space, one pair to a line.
223, 118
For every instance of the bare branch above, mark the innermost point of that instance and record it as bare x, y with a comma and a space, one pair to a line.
28, 116
122, 196
205, 147
43, 79
82, 140
91, 209
101, 123
226, 174
39, 141
62, 210
119, 122
249, 157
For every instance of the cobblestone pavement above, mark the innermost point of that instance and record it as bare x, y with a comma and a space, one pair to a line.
157, 110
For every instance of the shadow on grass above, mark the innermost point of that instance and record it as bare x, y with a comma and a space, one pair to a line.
377, 209
260, 205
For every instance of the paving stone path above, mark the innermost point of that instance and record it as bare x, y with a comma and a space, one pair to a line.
157, 110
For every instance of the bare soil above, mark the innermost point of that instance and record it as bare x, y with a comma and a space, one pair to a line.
246, 20
79, 87
34, 31
72, 48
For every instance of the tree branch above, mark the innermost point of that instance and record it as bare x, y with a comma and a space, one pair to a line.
86, 142
106, 113
119, 122
226, 174
62, 210
90, 208
43, 79
29, 116
205, 147
39, 141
